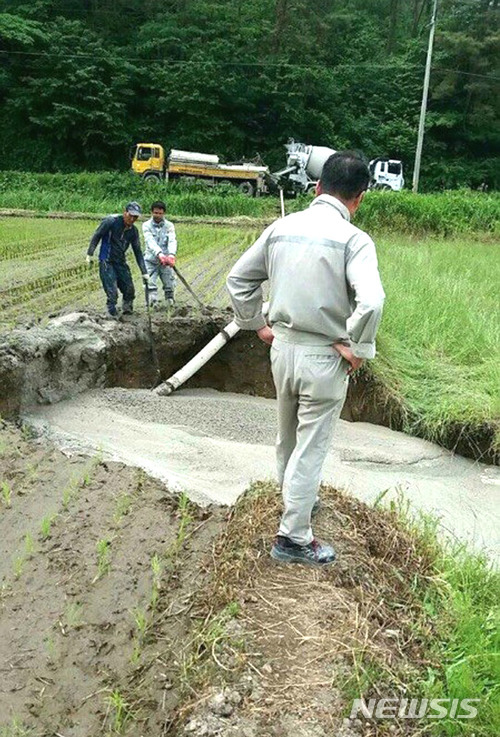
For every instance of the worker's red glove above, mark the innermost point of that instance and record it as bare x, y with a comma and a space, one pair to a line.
163, 259
170, 261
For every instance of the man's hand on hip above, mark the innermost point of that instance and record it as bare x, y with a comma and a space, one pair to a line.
266, 334
346, 352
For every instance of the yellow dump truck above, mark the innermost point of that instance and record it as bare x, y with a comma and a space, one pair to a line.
149, 161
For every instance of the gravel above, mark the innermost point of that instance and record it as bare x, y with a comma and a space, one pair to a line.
202, 411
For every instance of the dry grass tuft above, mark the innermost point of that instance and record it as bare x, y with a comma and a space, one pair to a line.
313, 637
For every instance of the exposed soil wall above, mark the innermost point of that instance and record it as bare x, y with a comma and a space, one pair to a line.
80, 351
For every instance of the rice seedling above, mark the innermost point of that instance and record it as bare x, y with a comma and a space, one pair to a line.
69, 492
122, 507
31, 472
73, 614
50, 648
6, 494
157, 569
15, 729
29, 545
142, 624
90, 470
184, 507
46, 526
18, 565
103, 558
120, 711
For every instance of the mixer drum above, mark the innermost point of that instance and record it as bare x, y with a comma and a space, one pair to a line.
317, 157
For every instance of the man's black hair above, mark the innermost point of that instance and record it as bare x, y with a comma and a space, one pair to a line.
345, 174
159, 205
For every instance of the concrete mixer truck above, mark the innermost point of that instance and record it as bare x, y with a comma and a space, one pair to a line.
305, 162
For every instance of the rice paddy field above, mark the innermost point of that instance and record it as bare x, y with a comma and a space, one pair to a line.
439, 344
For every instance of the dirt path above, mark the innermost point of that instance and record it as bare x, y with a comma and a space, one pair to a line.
213, 445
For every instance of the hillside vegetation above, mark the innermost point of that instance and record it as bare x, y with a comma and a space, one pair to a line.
82, 82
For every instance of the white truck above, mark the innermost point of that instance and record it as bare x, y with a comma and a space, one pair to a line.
305, 162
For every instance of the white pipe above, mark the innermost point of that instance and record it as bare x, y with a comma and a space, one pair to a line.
201, 358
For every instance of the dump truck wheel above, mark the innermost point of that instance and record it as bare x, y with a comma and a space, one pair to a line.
247, 189
151, 178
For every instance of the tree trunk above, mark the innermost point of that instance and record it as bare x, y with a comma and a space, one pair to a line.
393, 22
282, 7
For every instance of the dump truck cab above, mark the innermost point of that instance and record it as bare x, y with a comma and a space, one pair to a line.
148, 160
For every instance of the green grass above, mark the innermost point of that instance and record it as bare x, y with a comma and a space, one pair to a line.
462, 599
439, 345
109, 191
445, 213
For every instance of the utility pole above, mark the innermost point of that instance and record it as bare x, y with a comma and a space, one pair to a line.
425, 94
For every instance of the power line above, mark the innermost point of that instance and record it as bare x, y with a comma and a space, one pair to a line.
467, 74
368, 64
294, 65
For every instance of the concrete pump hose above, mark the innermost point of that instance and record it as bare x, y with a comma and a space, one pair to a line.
201, 358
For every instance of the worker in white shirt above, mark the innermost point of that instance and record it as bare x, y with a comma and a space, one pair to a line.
326, 302
160, 252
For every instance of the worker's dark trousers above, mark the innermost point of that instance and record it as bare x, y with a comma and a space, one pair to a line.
116, 276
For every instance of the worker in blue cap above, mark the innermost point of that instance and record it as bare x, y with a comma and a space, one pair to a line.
116, 233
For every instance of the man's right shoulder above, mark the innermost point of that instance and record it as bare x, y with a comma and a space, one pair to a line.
109, 219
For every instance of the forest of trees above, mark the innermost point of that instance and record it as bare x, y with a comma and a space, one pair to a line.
82, 80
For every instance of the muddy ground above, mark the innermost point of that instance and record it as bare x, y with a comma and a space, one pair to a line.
78, 537
125, 609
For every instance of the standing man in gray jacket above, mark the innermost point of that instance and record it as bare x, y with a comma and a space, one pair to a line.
160, 252
325, 307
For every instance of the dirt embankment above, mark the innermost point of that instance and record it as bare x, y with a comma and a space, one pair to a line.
127, 610
80, 351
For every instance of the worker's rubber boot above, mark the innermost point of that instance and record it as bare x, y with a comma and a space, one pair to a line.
169, 299
128, 308
315, 554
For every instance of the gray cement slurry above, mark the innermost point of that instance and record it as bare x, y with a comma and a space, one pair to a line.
212, 445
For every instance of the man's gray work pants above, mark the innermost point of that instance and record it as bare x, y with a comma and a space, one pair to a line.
167, 276
311, 383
